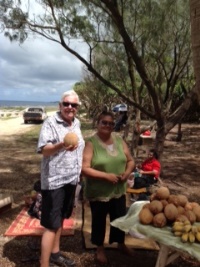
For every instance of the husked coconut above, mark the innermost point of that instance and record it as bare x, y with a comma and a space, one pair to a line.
194, 204
162, 193
181, 210
173, 199
188, 206
156, 206
190, 215
71, 139
159, 220
152, 197
145, 216
146, 206
196, 211
164, 202
182, 200
171, 212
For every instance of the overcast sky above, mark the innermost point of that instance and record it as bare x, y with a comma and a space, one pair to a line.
38, 70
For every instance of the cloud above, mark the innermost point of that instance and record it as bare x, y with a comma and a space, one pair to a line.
38, 70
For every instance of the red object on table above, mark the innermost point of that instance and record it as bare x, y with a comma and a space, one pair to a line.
147, 133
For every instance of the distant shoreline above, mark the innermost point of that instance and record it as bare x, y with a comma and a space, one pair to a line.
23, 104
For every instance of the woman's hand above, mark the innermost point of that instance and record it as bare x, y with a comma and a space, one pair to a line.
111, 177
124, 177
141, 171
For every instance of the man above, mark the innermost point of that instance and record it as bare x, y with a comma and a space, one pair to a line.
60, 171
122, 119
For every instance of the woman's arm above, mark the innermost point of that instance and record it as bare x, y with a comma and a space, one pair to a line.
130, 164
153, 172
88, 171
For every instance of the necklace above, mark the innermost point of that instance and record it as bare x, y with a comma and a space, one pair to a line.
110, 149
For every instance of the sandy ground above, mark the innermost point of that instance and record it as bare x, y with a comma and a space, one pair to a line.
15, 125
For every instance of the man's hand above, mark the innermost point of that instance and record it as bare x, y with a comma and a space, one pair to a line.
70, 148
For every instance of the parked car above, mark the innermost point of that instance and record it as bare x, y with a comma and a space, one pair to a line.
119, 107
34, 114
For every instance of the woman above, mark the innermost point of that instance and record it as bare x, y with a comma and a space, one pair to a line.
147, 173
107, 164
149, 169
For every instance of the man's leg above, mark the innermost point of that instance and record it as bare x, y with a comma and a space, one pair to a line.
61, 198
56, 245
52, 222
56, 256
68, 196
47, 244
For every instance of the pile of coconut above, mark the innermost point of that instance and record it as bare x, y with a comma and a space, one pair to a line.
165, 208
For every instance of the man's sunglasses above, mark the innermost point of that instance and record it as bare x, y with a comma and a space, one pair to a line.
67, 104
108, 123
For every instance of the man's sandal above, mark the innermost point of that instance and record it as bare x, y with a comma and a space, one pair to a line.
63, 261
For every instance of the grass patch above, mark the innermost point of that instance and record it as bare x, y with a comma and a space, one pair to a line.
29, 137
33, 135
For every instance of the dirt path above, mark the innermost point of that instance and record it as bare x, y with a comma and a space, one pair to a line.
15, 125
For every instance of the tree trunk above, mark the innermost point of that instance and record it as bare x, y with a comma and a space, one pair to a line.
160, 137
195, 40
179, 133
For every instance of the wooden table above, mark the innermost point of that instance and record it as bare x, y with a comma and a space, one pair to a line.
166, 256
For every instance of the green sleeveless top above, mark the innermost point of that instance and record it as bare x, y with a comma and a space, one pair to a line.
110, 161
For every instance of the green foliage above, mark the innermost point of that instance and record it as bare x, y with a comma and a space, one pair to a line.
139, 50
160, 31
94, 96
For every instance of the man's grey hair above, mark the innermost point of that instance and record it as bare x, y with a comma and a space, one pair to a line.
70, 93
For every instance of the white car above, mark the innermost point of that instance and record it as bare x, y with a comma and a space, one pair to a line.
34, 114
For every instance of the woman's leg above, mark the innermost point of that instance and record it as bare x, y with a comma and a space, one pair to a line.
99, 213
117, 209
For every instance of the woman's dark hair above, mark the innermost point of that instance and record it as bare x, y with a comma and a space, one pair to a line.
104, 114
154, 152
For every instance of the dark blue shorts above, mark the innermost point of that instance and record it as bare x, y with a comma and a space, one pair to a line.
56, 205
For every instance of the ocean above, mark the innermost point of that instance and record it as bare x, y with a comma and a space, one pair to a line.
13, 104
